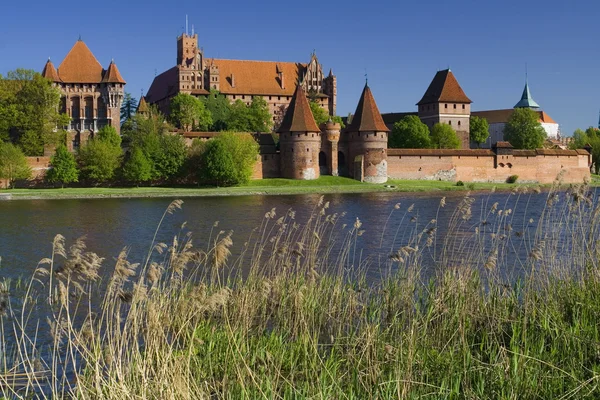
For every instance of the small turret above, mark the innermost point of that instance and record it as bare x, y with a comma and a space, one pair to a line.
300, 140
50, 72
328, 157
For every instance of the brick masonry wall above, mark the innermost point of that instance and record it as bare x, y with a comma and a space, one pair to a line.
266, 166
39, 166
489, 168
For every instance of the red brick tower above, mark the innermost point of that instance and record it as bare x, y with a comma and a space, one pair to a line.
445, 102
300, 140
328, 156
367, 137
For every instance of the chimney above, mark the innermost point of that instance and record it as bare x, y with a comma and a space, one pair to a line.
232, 81
281, 79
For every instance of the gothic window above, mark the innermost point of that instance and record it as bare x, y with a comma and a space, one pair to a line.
445, 105
463, 106
455, 106
458, 123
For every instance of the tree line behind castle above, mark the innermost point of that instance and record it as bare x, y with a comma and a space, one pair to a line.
147, 151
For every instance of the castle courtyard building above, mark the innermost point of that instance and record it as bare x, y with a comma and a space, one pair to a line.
242, 80
90, 95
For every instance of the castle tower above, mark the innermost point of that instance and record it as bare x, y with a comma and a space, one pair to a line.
367, 137
445, 102
299, 140
526, 99
50, 73
189, 63
213, 79
328, 156
330, 89
113, 90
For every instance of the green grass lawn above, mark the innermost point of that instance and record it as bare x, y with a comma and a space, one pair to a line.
325, 184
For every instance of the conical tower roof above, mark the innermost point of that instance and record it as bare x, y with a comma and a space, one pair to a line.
444, 88
367, 116
298, 117
49, 72
142, 105
112, 75
526, 99
80, 66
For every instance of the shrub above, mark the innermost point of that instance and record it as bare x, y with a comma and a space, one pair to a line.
460, 183
101, 156
242, 149
137, 168
13, 164
64, 168
512, 179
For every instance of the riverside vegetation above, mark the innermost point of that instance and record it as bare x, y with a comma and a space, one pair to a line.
304, 321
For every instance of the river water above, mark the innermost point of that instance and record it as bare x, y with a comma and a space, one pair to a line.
28, 227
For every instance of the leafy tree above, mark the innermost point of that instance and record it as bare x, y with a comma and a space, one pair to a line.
444, 137
101, 156
188, 112
259, 115
580, 139
13, 164
229, 159
29, 106
109, 134
128, 107
218, 165
169, 160
410, 133
64, 168
523, 129
137, 168
219, 107
194, 160
479, 130
320, 115
239, 117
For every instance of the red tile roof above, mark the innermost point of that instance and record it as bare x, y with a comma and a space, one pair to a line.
367, 116
112, 75
444, 88
80, 66
258, 77
502, 116
298, 117
49, 72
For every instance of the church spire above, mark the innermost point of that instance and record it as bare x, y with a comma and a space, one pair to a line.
526, 99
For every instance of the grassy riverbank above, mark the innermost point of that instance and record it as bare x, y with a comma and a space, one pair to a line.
276, 186
305, 322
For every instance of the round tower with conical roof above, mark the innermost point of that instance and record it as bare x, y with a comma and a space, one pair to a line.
367, 138
299, 140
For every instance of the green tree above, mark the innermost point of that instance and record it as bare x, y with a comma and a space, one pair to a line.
188, 112
128, 107
523, 129
259, 115
100, 158
479, 130
64, 168
229, 159
29, 106
444, 137
320, 115
239, 117
137, 168
409, 133
170, 158
219, 108
13, 164
194, 161
218, 165
580, 139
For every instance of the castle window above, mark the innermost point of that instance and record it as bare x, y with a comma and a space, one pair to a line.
278, 97
455, 106
243, 97
463, 106
445, 105
269, 97
458, 123
449, 122
234, 96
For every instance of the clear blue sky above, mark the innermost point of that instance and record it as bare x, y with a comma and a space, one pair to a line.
401, 44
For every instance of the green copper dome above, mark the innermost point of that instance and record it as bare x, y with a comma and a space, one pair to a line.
526, 99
